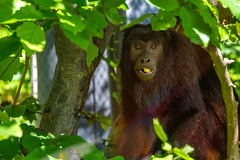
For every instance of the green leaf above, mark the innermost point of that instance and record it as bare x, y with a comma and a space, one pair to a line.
92, 53
105, 121
181, 154
80, 3
28, 140
114, 17
203, 8
136, 21
167, 5
163, 21
8, 149
166, 146
9, 67
159, 130
4, 117
51, 4
70, 21
15, 111
7, 9
28, 13
82, 39
42, 152
32, 36
233, 5
66, 141
4, 31
113, 4
85, 150
28, 128
167, 157
9, 46
95, 23
194, 26
223, 33
187, 149
10, 129
117, 158
238, 28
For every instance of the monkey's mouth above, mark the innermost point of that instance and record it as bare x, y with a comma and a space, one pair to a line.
146, 71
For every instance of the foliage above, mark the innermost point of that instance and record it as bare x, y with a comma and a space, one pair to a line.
23, 24
19, 139
168, 151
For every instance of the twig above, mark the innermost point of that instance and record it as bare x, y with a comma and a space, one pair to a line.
22, 80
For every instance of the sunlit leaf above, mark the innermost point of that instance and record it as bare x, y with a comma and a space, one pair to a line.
105, 121
167, 5
4, 32
136, 21
187, 149
163, 21
81, 38
159, 131
32, 36
8, 8
28, 13
51, 4
166, 146
233, 5
181, 154
10, 129
70, 21
194, 26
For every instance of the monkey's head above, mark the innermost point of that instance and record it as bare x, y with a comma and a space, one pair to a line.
142, 49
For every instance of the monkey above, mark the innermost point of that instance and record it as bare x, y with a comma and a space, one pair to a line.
165, 76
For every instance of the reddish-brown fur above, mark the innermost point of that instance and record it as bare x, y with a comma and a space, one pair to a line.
184, 94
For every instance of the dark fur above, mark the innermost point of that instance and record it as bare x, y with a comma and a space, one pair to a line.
185, 95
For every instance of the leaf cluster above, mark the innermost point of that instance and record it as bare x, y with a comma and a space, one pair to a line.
23, 24
199, 19
168, 152
19, 139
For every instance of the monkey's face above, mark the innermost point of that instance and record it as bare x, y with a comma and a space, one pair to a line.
145, 55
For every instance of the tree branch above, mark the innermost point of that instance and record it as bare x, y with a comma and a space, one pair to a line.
22, 80
229, 100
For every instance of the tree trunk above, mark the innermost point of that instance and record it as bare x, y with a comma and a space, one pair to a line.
70, 84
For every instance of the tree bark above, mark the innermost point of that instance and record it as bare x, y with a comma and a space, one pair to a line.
70, 84
229, 100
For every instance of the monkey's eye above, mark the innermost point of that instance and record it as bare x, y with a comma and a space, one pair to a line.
138, 46
154, 46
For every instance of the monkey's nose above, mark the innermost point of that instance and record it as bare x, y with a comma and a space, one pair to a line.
145, 60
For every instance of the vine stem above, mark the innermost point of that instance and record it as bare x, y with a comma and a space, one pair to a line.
22, 80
